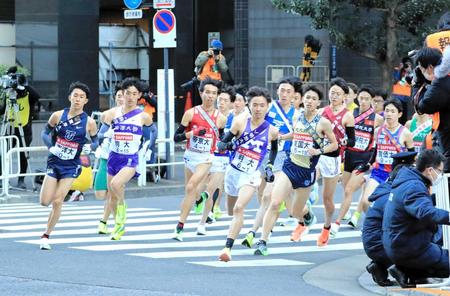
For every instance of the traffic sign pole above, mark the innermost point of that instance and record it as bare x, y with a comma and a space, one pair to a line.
169, 157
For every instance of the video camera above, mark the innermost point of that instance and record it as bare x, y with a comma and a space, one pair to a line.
15, 81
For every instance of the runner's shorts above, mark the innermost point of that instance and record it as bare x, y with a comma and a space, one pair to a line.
219, 163
379, 175
63, 169
300, 177
235, 179
353, 159
117, 161
193, 159
329, 167
101, 177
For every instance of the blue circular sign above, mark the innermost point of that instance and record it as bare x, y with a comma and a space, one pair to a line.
132, 4
164, 21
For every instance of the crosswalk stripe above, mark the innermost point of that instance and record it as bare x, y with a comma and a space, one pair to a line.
65, 209
64, 213
252, 263
272, 251
206, 243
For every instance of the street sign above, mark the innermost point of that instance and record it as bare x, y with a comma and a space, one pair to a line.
161, 4
132, 14
164, 29
132, 4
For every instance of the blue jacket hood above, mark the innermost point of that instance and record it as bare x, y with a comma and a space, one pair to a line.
382, 190
409, 174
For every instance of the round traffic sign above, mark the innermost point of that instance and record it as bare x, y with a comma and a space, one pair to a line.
132, 4
164, 21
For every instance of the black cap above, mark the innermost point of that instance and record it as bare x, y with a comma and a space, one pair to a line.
406, 157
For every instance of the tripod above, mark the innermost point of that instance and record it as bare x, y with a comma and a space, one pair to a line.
11, 121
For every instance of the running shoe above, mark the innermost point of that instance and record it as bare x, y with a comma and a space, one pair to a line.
44, 244
201, 229
282, 207
121, 214
102, 228
348, 215
323, 238
178, 235
261, 249
225, 255
298, 232
118, 232
353, 222
210, 219
314, 195
334, 229
217, 213
200, 204
248, 240
310, 219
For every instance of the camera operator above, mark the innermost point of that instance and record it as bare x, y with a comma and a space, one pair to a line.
436, 96
211, 63
27, 98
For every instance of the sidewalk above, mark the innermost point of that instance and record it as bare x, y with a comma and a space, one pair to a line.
354, 280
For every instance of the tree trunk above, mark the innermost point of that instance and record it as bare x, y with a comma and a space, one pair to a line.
391, 50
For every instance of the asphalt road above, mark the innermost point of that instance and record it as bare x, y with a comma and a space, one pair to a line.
148, 262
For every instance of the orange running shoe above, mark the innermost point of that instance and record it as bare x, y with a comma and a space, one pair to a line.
298, 232
323, 238
225, 255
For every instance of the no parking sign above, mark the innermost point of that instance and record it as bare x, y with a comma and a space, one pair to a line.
164, 29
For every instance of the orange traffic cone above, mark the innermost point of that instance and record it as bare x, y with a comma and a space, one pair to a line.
188, 104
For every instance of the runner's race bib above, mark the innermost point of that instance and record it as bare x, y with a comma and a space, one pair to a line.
384, 154
362, 140
418, 146
65, 149
301, 143
202, 144
246, 160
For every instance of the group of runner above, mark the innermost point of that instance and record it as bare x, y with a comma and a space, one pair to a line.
274, 148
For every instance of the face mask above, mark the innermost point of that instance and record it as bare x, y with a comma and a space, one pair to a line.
438, 178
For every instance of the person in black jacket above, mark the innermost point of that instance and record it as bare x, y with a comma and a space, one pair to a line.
372, 230
410, 222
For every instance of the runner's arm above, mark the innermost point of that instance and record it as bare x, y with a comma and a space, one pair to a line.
101, 132
180, 135
93, 133
46, 134
273, 151
350, 132
225, 143
328, 132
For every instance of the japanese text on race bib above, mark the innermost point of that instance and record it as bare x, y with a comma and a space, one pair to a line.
384, 154
65, 149
202, 144
246, 160
301, 143
362, 140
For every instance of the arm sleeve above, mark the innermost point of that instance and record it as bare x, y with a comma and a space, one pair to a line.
434, 99
46, 135
221, 133
350, 132
419, 204
374, 156
101, 132
273, 151
94, 142
180, 135
228, 137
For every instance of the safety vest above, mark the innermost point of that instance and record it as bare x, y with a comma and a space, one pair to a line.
24, 111
146, 107
211, 70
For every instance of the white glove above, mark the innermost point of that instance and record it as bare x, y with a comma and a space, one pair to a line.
87, 149
98, 152
148, 155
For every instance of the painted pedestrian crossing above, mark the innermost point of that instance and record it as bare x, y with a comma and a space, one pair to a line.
149, 232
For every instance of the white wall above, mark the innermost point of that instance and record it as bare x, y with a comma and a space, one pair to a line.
7, 38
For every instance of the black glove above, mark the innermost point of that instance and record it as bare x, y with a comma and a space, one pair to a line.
268, 174
362, 168
222, 146
419, 79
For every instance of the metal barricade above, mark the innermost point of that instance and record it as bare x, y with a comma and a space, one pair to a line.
7, 172
442, 202
274, 73
6, 144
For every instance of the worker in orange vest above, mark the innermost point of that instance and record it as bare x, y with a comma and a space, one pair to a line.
211, 63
